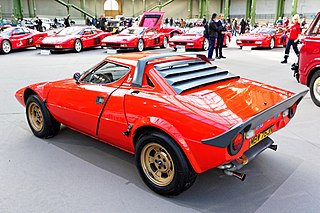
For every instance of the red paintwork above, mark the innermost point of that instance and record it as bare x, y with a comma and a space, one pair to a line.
194, 38
21, 40
124, 40
63, 41
190, 117
254, 39
309, 59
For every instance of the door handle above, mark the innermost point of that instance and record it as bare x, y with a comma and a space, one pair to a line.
99, 100
136, 92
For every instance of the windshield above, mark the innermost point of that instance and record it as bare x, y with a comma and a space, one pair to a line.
70, 31
195, 30
133, 31
263, 30
6, 32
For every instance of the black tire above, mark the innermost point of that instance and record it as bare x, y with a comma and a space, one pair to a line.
77, 45
165, 42
40, 121
176, 175
315, 88
6, 46
140, 45
240, 47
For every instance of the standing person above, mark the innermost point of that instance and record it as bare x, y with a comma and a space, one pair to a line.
212, 35
171, 22
294, 31
166, 21
22, 23
285, 21
204, 20
103, 21
94, 21
66, 21
243, 25
38, 24
221, 24
279, 21
304, 22
234, 27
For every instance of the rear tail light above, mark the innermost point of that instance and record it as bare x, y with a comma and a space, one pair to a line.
236, 144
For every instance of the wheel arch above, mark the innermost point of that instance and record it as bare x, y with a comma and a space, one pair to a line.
162, 126
311, 73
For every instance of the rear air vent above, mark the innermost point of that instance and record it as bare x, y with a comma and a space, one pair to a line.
189, 74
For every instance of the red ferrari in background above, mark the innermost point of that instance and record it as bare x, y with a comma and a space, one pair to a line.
18, 37
194, 39
263, 37
73, 38
178, 113
137, 38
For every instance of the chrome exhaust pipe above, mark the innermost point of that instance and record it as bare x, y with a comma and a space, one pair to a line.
273, 147
238, 175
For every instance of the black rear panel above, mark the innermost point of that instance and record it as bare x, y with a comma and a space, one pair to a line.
189, 74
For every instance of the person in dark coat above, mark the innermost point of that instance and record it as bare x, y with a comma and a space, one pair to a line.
66, 21
103, 21
204, 20
171, 22
243, 25
166, 21
38, 24
221, 24
212, 35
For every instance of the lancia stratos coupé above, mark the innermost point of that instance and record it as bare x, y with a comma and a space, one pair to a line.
179, 114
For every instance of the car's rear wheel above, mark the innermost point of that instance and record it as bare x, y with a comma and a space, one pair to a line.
6, 46
165, 42
77, 45
140, 45
162, 165
205, 45
41, 122
271, 44
315, 88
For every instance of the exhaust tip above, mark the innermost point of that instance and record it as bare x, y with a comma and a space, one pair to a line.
273, 147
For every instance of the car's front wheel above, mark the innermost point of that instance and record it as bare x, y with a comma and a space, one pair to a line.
271, 44
205, 45
6, 46
165, 42
315, 88
77, 45
140, 45
162, 165
41, 122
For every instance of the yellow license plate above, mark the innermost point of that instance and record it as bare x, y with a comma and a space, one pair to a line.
259, 137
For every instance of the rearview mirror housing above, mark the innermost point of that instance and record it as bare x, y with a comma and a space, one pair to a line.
76, 77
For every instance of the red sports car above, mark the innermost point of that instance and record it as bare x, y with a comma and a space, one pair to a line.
18, 38
137, 38
73, 38
194, 39
179, 114
263, 37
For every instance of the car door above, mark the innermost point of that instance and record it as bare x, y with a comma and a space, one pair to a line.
79, 104
87, 38
17, 38
148, 38
156, 38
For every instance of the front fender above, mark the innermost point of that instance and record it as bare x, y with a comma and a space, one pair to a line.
168, 128
39, 89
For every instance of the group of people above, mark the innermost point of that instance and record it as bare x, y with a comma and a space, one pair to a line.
214, 32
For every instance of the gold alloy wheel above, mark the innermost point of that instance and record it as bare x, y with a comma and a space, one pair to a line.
35, 117
157, 164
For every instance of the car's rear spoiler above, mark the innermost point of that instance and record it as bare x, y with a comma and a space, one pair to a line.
141, 64
225, 139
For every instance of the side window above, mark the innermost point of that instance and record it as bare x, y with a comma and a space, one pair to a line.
87, 32
18, 31
106, 73
316, 28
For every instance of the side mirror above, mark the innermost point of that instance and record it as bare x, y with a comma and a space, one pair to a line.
76, 77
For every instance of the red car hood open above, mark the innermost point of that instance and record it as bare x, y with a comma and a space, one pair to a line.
215, 104
151, 20
186, 37
119, 38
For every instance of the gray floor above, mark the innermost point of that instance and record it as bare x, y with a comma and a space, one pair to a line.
74, 173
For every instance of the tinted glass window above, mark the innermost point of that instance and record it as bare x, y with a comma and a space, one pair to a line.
106, 73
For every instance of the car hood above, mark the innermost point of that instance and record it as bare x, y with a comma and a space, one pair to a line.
119, 38
253, 36
231, 102
56, 39
186, 37
151, 19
